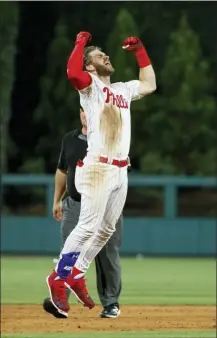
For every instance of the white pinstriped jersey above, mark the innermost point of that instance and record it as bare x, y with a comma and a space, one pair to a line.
107, 110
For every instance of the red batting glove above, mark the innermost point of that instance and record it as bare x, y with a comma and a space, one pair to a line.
83, 38
135, 45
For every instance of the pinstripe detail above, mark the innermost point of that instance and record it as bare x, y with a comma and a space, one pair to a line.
103, 187
103, 191
99, 139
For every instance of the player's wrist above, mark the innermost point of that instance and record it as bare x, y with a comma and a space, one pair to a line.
57, 200
79, 47
80, 43
142, 57
55, 204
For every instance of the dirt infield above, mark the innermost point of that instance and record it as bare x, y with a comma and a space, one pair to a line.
32, 318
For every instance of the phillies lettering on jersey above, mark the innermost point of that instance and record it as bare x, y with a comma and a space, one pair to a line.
118, 100
107, 109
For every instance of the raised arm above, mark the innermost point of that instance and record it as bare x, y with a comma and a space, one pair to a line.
79, 78
146, 74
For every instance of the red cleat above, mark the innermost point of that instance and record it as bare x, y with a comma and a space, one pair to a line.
58, 297
78, 287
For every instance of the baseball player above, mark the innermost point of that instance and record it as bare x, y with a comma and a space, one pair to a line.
108, 269
101, 177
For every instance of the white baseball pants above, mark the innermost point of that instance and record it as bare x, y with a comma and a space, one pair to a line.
103, 190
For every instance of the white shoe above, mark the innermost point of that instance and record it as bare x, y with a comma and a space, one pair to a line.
111, 311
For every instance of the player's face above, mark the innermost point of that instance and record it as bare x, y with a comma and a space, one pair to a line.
100, 61
83, 118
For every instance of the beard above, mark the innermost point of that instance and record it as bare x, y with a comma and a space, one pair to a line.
104, 70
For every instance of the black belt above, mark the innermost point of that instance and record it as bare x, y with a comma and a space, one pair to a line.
76, 199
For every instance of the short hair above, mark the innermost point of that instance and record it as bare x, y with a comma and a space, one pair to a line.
87, 52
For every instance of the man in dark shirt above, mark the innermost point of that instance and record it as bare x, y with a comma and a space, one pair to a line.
108, 269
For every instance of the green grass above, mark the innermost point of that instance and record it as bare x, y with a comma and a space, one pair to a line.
145, 281
127, 334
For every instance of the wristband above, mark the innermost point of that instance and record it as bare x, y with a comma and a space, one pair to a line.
142, 58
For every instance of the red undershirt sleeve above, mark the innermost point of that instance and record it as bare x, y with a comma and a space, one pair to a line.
78, 78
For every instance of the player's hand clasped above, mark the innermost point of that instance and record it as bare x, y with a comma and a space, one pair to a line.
83, 38
132, 43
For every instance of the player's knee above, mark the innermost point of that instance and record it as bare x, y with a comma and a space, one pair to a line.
106, 232
86, 231
110, 225
88, 226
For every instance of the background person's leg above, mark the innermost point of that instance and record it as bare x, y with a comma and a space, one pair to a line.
108, 268
114, 207
71, 212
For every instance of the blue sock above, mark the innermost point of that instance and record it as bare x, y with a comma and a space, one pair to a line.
65, 264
